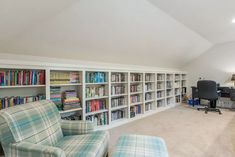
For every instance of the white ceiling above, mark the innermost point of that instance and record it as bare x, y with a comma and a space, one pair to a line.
210, 18
117, 31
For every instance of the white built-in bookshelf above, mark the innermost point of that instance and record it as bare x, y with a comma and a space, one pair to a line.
107, 97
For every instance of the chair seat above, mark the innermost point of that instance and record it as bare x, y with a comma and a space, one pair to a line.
88, 145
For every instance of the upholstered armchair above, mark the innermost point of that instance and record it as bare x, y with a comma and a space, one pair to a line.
36, 130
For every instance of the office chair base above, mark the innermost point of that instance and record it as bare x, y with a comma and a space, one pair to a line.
212, 110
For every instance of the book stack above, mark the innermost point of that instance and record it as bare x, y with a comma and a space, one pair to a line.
148, 86
99, 119
118, 77
135, 110
18, 100
115, 102
148, 96
135, 77
70, 100
95, 105
118, 90
60, 77
149, 77
56, 97
118, 114
135, 98
96, 91
135, 88
148, 107
22, 77
160, 94
95, 77
169, 85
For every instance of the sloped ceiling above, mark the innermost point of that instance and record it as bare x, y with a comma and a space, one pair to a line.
209, 18
116, 31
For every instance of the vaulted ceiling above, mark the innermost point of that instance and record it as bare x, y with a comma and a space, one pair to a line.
118, 31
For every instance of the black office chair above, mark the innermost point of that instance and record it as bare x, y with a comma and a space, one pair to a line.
208, 90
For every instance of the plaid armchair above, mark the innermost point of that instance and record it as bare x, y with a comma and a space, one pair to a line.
36, 130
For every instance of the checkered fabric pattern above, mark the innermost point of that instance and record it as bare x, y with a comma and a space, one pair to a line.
88, 145
34, 130
76, 127
140, 146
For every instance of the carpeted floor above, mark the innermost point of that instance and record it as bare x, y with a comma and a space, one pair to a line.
187, 132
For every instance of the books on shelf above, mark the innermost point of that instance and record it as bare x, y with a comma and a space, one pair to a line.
18, 100
135, 88
135, 98
95, 105
177, 76
95, 91
160, 76
149, 86
149, 77
64, 77
160, 85
22, 77
115, 90
169, 85
99, 119
70, 100
149, 106
135, 77
115, 102
149, 96
56, 97
169, 92
160, 94
160, 103
118, 77
137, 109
118, 114
96, 77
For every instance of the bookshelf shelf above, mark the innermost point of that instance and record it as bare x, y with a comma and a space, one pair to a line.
134, 93
118, 107
147, 101
132, 82
161, 98
137, 103
96, 112
23, 86
149, 91
101, 83
119, 95
74, 84
119, 82
95, 98
72, 110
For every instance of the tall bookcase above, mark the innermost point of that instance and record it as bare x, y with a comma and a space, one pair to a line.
106, 97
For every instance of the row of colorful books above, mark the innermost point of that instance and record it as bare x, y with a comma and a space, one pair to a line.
149, 86
136, 88
115, 102
64, 77
135, 110
95, 91
160, 94
149, 77
135, 77
96, 77
95, 105
56, 97
149, 96
118, 90
70, 100
160, 77
149, 106
135, 98
22, 77
118, 114
99, 119
118, 77
18, 100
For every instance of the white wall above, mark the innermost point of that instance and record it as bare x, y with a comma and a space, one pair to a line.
217, 64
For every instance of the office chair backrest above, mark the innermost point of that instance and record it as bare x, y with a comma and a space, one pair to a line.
207, 89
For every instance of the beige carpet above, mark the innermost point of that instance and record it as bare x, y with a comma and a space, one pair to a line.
187, 132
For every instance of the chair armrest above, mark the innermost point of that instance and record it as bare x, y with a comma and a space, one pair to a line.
26, 149
76, 127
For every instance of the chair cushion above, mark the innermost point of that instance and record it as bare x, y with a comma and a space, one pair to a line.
87, 145
140, 146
